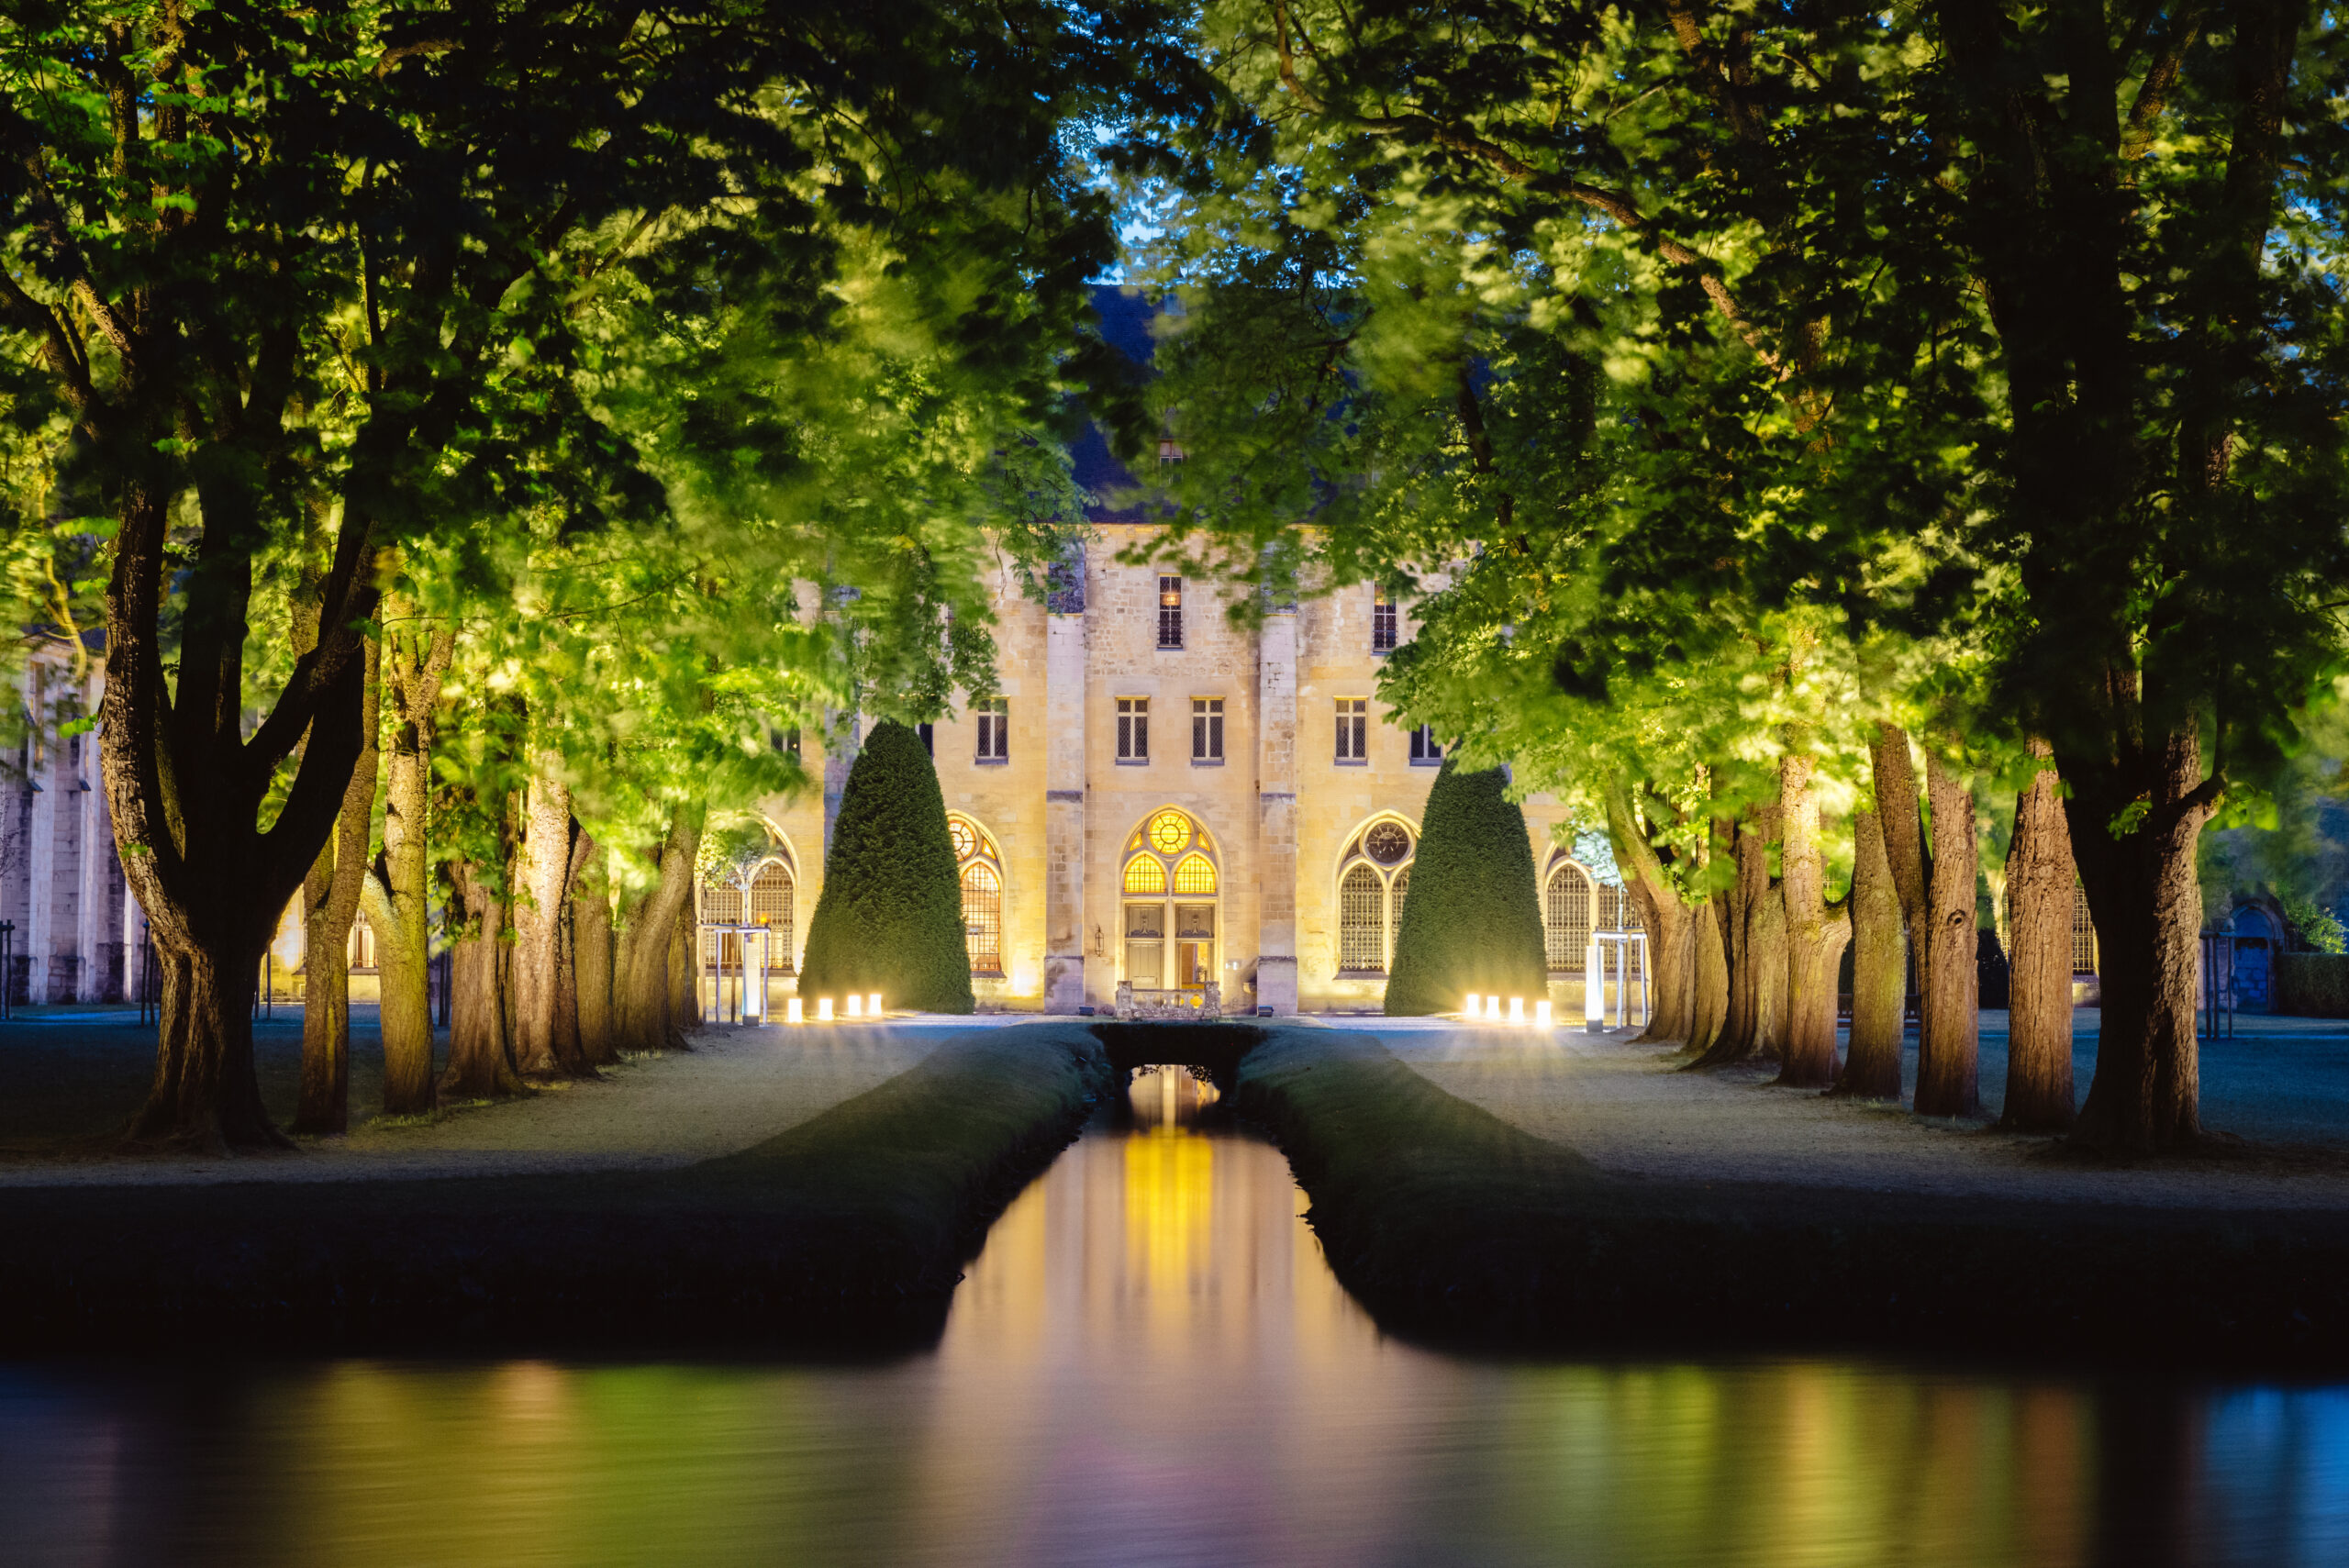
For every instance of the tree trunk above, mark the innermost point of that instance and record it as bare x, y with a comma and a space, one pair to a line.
204, 1092
329, 903
2039, 878
1745, 1025
684, 981
2144, 1096
544, 1047
1947, 1065
1665, 919
1816, 931
1708, 978
480, 1065
1898, 818
642, 981
591, 925
1879, 969
396, 890
569, 1047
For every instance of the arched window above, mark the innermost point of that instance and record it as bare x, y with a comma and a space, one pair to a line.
981, 870
1566, 916
771, 905
1617, 909
1169, 884
1374, 877
2083, 933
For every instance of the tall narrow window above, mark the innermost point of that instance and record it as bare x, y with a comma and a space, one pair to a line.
1567, 918
994, 730
1207, 730
1170, 612
929, 733
1361, 923
1134, 729
1353, 729
1382, 621
1425, 750
2084, 953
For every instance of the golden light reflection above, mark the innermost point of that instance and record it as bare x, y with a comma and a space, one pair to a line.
1170, 1184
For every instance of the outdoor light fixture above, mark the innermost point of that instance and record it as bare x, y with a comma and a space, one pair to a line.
1517, 1009
1470, 1014
1493, 1008
823, 1009
873, 1003
855, 1006
1542, 1014
793, 1011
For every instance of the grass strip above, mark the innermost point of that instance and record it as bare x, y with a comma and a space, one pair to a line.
849, 1230
1455, 1227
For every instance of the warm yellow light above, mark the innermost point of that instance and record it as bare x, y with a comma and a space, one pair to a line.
823, 1009
1493, 1008
1541, 1015
855, 1006
873, 1003
793, 1011
1469, 1012
1517, 1009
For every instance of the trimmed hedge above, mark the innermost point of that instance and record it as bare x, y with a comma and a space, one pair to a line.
891, 915
2312, 984
1473, 919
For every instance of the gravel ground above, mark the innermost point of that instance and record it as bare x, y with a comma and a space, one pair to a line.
85, 1072
2280, 1085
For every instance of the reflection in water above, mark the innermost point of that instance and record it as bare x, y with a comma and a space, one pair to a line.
1151, 1365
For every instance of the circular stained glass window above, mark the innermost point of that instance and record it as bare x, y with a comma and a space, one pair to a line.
966, 842
1170, 832
1386, 843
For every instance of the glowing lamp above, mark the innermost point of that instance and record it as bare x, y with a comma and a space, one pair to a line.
873, 1003
1517, 1009
1493, 1008
794, 1011
1470, 1012
1542, 1014
823, 1009
855, 1006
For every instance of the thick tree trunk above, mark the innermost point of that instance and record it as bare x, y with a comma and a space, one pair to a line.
396, 891
2040, 879
1665, 919
684, 981
1745, 1027
2142, 893
206, 1093
1948, 1082
1879, 969
1901, 821
329, 904
1816, 931
1708, 976
591, 925
644, 979
481, 1064
543, 1046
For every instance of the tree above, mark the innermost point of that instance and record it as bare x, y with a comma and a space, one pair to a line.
1473, 920
890, 919
2040, 882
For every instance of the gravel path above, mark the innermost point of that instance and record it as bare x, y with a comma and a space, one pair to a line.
1629, 1109
736, 1087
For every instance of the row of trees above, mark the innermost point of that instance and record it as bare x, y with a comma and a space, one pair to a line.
485, 433
1777, 403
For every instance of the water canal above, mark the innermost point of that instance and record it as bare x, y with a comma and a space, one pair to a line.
1151, 1365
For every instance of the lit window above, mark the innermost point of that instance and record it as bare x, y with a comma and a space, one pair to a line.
771, 894
2083, 933
983, 918
1565, 923
1207, 730
1170, 612
1362, 922
1170, 832
1145, 874
1425, 752
1353, 729
1382, 621
994, 730
1196, 875
1134, 729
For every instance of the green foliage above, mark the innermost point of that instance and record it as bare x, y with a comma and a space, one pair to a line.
2317, 925
890, 919
2312, 984
1472, 921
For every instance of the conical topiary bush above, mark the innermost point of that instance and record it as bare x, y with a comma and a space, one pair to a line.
1473, 920
890, 919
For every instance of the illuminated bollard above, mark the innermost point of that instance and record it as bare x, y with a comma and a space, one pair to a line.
1517, 1009
1471, 1013
1541, 1015
1493, 1008
793, 1011
823, 1009
855, 1006
873, 1005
